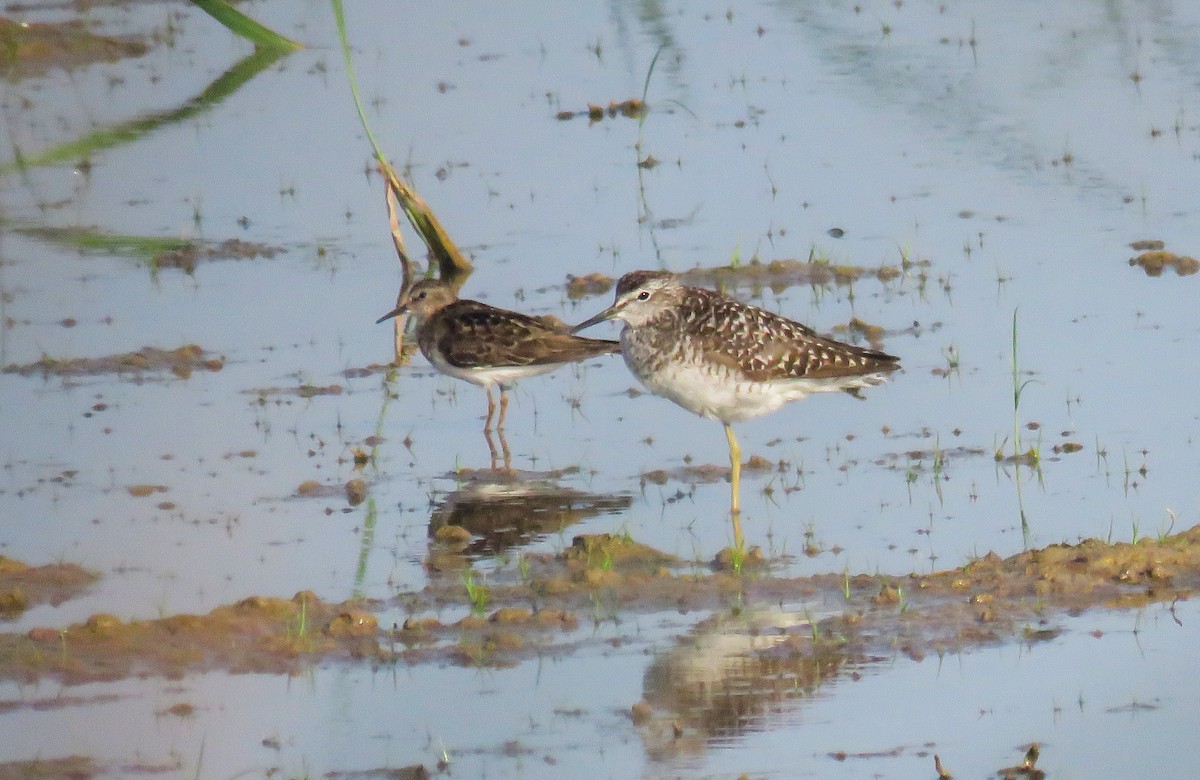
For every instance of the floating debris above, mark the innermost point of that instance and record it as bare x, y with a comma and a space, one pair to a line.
590, 285
633, 108
1147, 244
23, 586
1026, 769
33, 49
141, 491
780, 274
776, 274
180, 362
188, 257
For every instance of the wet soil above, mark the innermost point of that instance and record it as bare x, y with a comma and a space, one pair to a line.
1155, 261
781, 274
160, 253
778, 275
301, 391
181, 362
23, 586
81, 768
34, 49
535, 610
631, 108
257, 634
187, 258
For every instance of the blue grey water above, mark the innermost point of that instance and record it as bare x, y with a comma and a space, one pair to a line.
1001, 157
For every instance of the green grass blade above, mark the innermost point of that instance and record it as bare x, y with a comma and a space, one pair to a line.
451, 261
646, 84
240, 24
339, 16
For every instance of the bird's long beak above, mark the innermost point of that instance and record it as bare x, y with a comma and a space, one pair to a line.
396, 312
607, 314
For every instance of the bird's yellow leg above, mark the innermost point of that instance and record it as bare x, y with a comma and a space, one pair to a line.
735, 464
504, 449
503, 407
487, 435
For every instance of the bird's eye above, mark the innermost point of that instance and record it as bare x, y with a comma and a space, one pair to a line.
421, 295
644, 295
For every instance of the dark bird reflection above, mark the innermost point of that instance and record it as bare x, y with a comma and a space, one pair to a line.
503, 509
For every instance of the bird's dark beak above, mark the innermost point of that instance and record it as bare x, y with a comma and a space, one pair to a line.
396, 312
607, 314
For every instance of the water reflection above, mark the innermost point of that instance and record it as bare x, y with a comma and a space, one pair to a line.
135, 129
503, 509
736, 673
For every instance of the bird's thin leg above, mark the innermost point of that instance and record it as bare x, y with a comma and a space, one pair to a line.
487, 435
504, 449
503, 406
735, 463
487, 422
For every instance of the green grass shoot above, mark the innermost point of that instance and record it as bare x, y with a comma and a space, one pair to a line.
477, 592
1018, 390
814, 627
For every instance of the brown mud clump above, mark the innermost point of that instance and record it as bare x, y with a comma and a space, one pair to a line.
630, 108
781, 274
257, 634
778, 275
588, 285
77, 767
23, 586
1155, 261
181, 362
34, 49
612, 553
187, 258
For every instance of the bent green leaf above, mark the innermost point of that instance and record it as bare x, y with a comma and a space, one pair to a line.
240, 24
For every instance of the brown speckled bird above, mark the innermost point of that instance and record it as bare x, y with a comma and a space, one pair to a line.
487, 346
726, 360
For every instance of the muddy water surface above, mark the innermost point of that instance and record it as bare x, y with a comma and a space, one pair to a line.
236, 541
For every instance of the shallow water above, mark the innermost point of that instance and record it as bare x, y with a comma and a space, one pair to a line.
1009, 154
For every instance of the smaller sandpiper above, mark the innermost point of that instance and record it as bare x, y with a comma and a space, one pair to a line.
487, 346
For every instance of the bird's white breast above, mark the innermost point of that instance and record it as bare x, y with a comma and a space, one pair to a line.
487, 376
716, 390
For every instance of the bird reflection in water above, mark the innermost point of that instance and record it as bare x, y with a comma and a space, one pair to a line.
503, 509
735, 674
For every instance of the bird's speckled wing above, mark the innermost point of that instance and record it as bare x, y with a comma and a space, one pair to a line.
763, 345
470, 334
